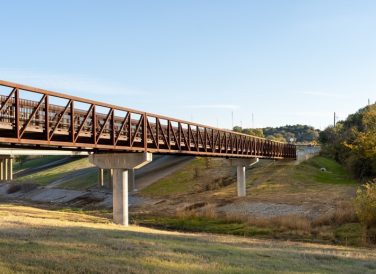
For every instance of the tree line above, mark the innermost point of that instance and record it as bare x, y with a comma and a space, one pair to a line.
296, 133
353, 142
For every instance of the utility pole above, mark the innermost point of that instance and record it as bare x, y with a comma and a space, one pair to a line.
253, 121
232, 120
335, 119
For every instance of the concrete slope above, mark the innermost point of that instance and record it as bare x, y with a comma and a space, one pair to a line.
159, 168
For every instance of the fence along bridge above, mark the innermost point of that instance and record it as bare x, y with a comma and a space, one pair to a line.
40, 119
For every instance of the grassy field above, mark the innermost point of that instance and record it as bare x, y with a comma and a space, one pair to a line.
36, 162
334, 174
191, 178
47, 176
204, 174
81, 182
212, 182
36, 240
327, 195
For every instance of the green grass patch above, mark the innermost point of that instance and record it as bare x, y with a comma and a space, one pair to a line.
180, 182
310, 171
203, 224
47, 176
349, 234
82, 182
36, 162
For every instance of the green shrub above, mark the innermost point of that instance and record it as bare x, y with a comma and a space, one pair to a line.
365, 207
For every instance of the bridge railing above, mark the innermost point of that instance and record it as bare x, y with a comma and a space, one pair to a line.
33, 116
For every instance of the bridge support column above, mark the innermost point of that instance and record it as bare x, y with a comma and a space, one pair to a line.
10, 169
241, 181
2, 169
110, 178
5, 169
121, 164
100, 177
131, 180
241, 165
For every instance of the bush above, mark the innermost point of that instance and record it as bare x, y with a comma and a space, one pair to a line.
365, 207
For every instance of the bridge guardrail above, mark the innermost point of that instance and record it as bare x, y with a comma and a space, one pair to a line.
29, 117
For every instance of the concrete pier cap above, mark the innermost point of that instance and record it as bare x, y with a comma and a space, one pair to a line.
120, 164
121, 160
244, 161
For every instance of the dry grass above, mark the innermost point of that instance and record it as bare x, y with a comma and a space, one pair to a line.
209, 210
287, 222
197, 210
41, 241
324, 225
343, 213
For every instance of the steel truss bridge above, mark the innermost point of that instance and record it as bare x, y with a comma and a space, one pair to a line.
39, 119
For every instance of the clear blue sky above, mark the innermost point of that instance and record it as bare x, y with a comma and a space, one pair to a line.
287, 62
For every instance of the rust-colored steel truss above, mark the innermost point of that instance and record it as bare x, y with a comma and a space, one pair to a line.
40, 123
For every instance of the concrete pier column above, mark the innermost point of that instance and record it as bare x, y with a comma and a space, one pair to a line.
241, 182
100, 177
241, 165
120, 164
131, 180
1, 169
5, 169
10, 169
110, 178
120, 197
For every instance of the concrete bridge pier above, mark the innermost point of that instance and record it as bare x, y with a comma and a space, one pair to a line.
110, 178
100, 177
120, 164
1, 169
131, 180
6, 168
10, 168
241, 165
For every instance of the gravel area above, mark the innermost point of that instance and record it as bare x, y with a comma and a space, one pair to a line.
66, 196
269, 210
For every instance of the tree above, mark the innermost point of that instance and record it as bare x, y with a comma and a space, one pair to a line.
353, 142
237, 129
365, 207
254, 132
300, 133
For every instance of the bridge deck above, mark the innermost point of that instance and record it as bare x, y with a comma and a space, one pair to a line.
35, 117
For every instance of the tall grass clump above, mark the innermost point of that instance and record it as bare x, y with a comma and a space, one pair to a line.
365, 207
